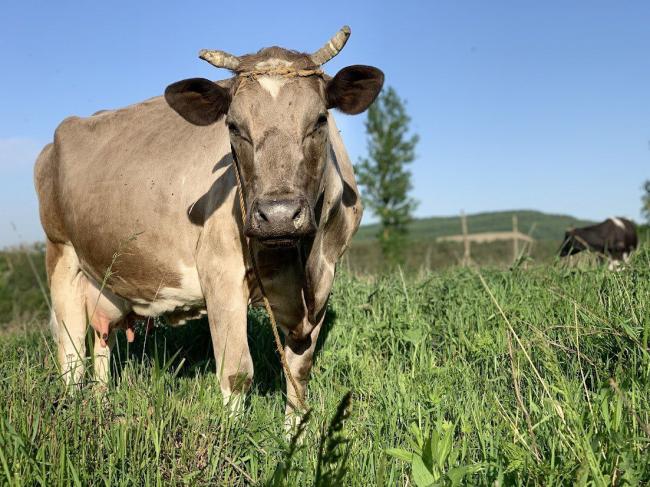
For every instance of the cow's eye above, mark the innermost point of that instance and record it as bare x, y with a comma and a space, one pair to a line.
234, 131
321, 120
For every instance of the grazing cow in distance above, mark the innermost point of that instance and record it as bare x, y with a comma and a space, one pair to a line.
141, 209
615, 238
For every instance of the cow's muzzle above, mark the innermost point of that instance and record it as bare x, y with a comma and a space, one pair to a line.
280, 222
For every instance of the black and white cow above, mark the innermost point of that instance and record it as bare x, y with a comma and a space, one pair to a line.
614, 238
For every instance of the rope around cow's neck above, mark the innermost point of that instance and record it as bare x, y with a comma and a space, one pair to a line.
283, 71
267, 304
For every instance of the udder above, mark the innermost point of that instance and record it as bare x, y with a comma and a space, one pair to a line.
103, 325
106, 312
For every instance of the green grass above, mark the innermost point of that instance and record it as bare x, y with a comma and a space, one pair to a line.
21, 296
421, 256
537, 376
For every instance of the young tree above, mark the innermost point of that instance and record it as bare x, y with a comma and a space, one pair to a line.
384, 179
645, 201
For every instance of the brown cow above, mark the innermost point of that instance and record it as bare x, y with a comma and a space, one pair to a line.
140, 208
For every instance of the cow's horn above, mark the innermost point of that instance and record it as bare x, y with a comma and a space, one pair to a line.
332, 47
220, 59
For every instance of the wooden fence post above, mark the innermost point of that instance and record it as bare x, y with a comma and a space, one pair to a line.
515, 238
467, 251
427, 259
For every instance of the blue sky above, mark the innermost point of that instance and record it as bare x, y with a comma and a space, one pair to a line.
542, 105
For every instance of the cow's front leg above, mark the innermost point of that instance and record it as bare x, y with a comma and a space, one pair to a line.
227, 303
300, 358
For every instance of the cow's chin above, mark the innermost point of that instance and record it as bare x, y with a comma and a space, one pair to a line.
279, 243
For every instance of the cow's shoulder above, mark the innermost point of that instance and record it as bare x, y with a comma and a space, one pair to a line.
618, 222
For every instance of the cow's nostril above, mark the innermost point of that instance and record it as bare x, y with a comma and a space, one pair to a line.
296, 214
262, 216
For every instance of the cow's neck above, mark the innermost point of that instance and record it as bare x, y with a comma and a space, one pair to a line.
291, 276
283, 277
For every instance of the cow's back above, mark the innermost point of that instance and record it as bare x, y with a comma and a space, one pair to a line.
122, 182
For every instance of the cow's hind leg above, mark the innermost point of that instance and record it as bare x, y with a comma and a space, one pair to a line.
69, 320
105, 311
102, 359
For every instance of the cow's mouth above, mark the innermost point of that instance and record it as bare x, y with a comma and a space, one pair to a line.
279, 243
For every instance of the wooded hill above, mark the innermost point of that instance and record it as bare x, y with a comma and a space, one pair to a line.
539, 225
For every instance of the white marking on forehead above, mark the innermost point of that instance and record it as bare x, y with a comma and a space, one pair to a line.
272, 84
618, 222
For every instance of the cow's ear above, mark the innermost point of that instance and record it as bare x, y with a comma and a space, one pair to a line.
198, 100
354, 88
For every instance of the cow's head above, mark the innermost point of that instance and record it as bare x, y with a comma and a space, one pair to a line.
276, 111
572, 243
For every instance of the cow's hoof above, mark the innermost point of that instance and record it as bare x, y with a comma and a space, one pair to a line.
72, 388
292, 427
100, 388
235, 403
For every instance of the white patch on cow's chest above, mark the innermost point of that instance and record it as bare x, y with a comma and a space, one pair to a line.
272, 84
618, 222
188, 296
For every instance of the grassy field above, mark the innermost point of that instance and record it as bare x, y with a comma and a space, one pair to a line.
21, 295
422, 253
536, 376
540, 226
423, 256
